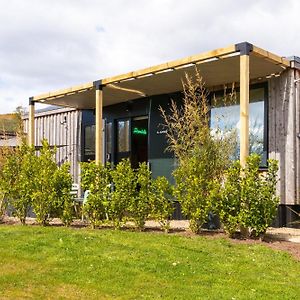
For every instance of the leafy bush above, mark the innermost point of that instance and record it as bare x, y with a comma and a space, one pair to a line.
96, 179
88, 174
28, 180
51, 195
139, 206
44, 195
193, 190
123, 193
124, 190
248, 199
258, 194
63, 206
18, 180
229, 205
161, 202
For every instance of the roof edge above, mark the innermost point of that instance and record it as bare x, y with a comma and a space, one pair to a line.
295, 61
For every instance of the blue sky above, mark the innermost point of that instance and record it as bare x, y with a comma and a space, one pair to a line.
47, 45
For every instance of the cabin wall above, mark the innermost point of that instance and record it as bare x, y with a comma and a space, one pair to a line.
283, 124
62, 128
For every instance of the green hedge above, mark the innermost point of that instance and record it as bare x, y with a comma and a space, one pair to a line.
123, 194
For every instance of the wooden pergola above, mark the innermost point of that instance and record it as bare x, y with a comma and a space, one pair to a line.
241, 63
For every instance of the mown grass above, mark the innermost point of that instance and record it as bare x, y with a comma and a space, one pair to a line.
62, 263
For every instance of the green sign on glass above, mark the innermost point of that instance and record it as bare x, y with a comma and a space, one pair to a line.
139, 131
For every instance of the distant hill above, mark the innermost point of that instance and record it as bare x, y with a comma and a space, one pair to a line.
8, 123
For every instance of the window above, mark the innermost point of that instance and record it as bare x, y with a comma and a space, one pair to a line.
109, 138
89, 142
227, 119
123, 136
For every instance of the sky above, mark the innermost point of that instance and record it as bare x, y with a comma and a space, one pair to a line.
48, 45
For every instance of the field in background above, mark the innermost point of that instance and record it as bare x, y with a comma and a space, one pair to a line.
8, 123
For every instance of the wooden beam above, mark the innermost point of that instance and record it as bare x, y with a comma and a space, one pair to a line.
99, 126
244, 108
172, 64
270, 56
31, 128
63, 92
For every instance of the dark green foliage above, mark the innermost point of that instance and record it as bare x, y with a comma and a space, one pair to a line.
258, 195
17, 180
96, 179
51, 196
139, 207
122, 194
248, 198
228, 206
124, 185
63, 205
161, 201
29, 180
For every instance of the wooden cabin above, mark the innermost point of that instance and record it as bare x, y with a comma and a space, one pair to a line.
124, 118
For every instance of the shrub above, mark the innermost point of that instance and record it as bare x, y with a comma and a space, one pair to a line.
161, 202
63, 205
202, 155
124, 191
97, 179
228, 206
28, 180
258, 193
88, 174
193, 191
51, 195
18, 179
44, 193
139, 206
248, 199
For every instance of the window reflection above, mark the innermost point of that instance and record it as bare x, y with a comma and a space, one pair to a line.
123, 136
109, 138
89, 142
226, 120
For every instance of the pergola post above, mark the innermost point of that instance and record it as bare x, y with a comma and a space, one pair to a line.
31, 128
99, 129
244, 103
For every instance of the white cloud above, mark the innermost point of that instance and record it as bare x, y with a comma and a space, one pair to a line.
46, 45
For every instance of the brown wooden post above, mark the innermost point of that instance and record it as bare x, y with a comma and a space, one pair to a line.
244, 108
99, 125
31, 128
244, 49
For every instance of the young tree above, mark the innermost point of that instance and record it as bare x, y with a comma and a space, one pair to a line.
202, 155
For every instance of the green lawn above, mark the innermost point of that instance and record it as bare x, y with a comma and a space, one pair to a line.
62, 263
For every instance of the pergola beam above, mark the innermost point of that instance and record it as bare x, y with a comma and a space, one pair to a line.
172, 64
